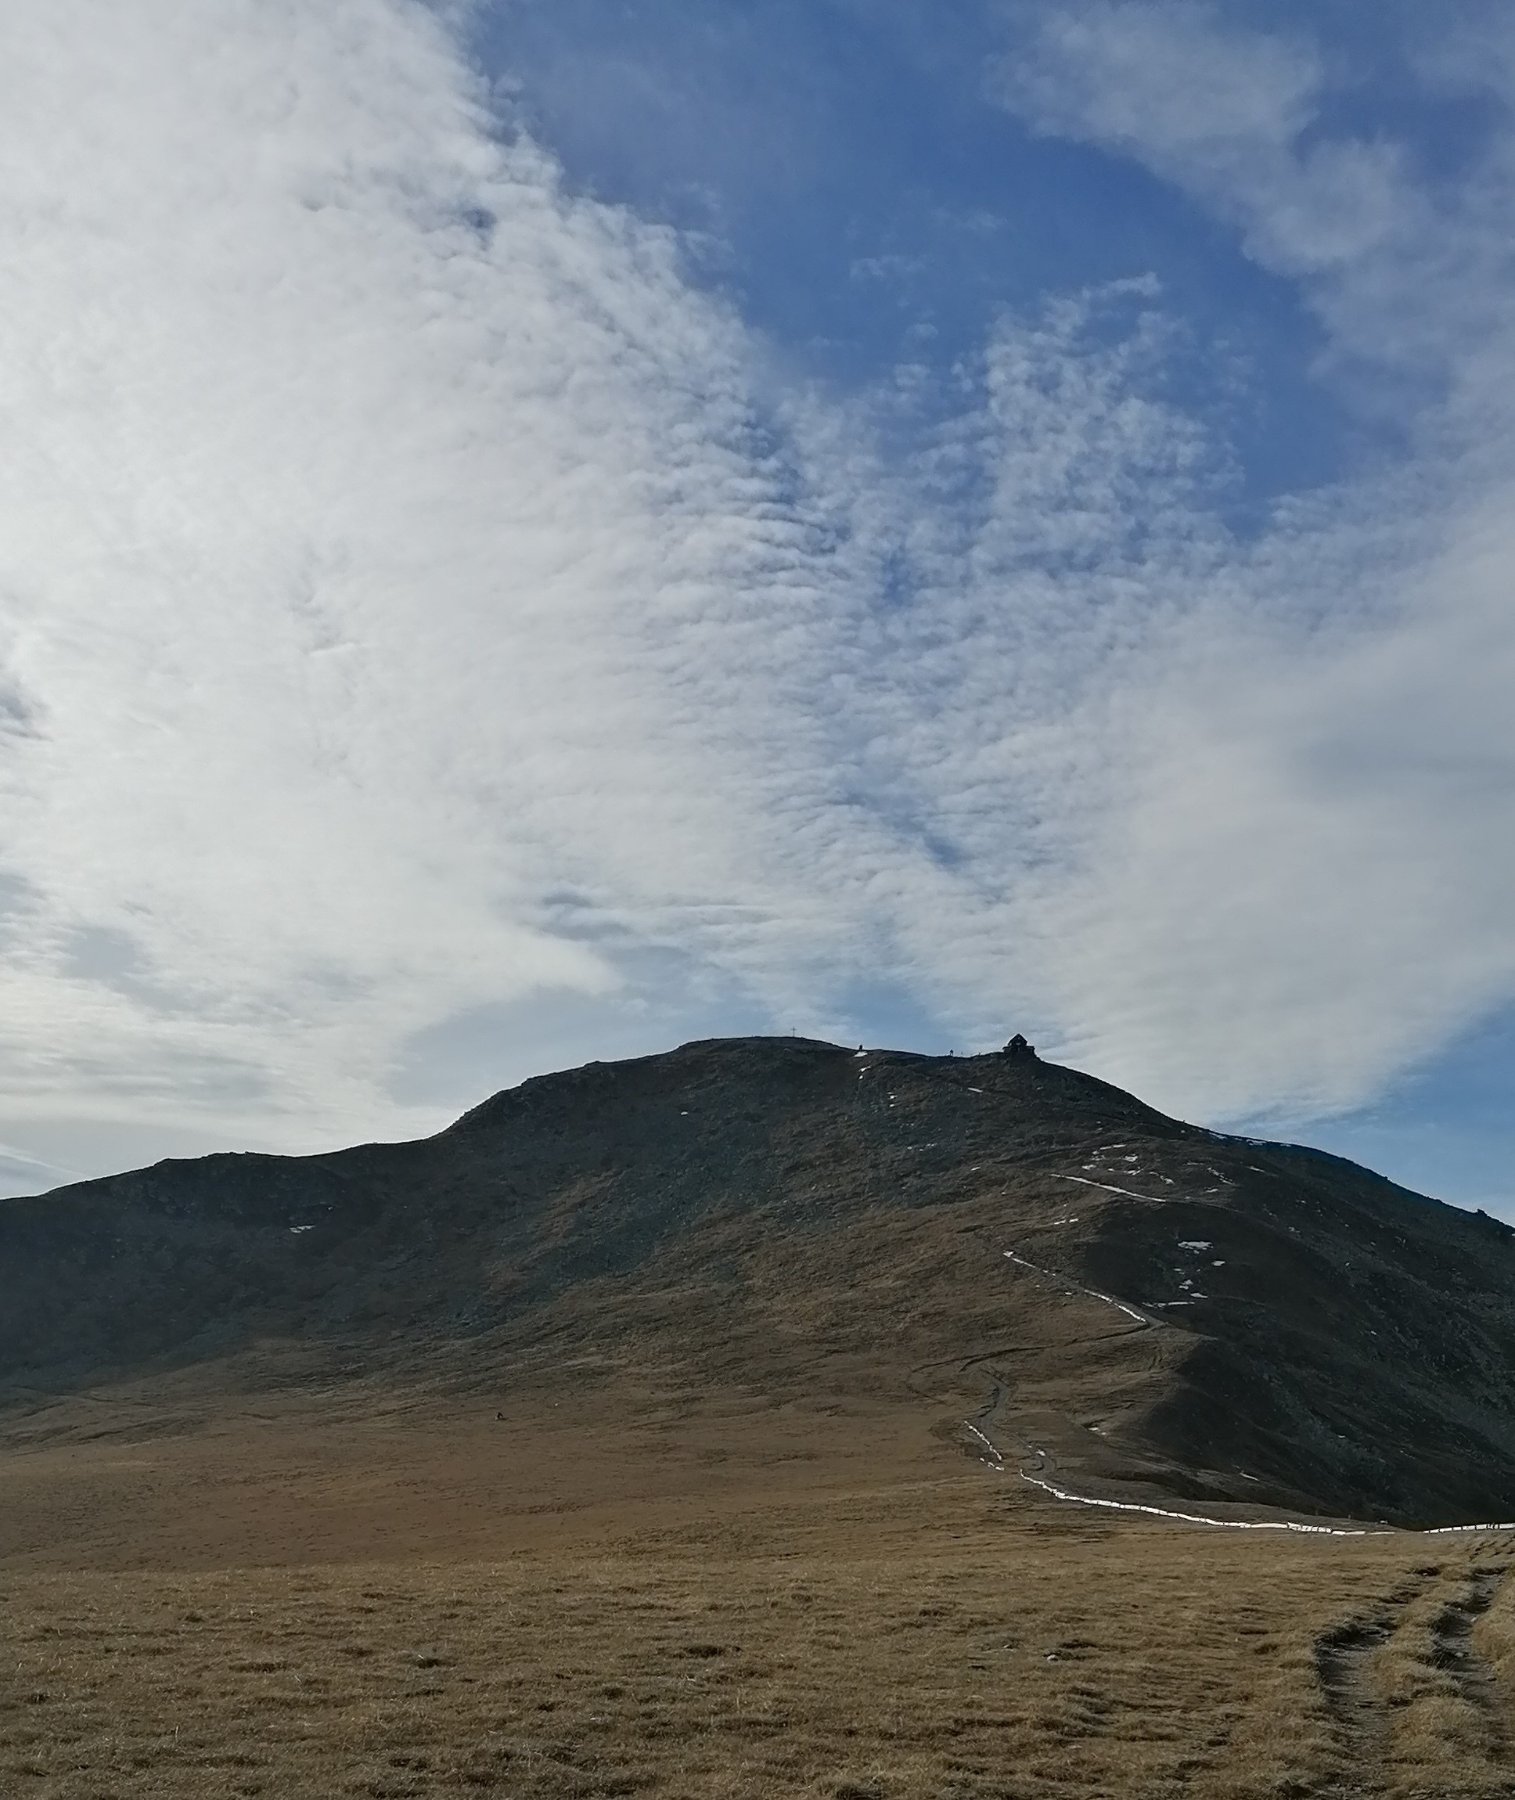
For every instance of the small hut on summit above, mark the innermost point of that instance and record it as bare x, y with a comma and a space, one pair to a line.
1018, 1047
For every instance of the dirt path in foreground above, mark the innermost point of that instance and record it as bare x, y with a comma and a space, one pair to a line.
1365, 1700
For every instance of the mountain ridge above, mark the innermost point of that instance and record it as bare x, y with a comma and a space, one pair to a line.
1164, 1308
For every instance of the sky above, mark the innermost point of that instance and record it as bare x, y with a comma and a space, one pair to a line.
537, 530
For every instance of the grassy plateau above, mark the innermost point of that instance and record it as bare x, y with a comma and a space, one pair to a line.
616, 1591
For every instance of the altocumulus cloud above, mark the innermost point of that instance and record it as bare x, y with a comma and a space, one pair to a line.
416, 594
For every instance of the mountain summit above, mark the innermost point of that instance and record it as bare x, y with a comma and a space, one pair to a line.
1143, 1306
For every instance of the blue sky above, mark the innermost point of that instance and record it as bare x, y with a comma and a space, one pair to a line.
862, 197
540, 530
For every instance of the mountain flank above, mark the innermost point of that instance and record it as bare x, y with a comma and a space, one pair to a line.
1144, 1306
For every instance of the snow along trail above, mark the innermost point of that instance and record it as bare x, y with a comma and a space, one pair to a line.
1073, 1287
1084, 1181
1299, 1527
1162, 1512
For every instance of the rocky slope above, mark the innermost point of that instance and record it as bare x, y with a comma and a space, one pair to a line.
1144, 1303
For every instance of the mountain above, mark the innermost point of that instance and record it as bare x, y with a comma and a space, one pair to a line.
1145, 1307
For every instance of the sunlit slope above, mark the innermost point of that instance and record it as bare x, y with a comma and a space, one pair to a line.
1139, 1301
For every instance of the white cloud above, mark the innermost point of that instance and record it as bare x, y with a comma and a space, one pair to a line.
1307, 890
391, 541
1226, 111
419, 604
1302, 891
1401, 269
1173, 82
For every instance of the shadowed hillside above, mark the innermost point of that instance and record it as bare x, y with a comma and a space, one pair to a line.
1141, 1303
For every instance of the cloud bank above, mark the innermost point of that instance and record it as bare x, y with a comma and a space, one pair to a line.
421, 598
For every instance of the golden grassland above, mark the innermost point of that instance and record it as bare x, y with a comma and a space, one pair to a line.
606, 1596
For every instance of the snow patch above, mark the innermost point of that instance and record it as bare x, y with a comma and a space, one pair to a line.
1083, 1181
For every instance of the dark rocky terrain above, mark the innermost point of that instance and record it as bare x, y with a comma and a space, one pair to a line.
1196, 1315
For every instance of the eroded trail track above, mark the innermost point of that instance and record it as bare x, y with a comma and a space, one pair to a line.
1344, 1668
1453, 1651
1405, 1679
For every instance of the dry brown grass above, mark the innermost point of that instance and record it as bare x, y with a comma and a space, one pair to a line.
728, 1602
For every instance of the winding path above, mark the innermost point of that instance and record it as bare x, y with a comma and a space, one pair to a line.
1037, 1477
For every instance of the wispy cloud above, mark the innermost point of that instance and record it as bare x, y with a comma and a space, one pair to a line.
1403, 265
420, 601
1310, 846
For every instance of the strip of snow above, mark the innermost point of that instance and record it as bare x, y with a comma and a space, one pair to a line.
1073, 1287
295, 1230
1195, 1244
1083, 1181
1119, 1305
1162, 1512
1035, 1268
